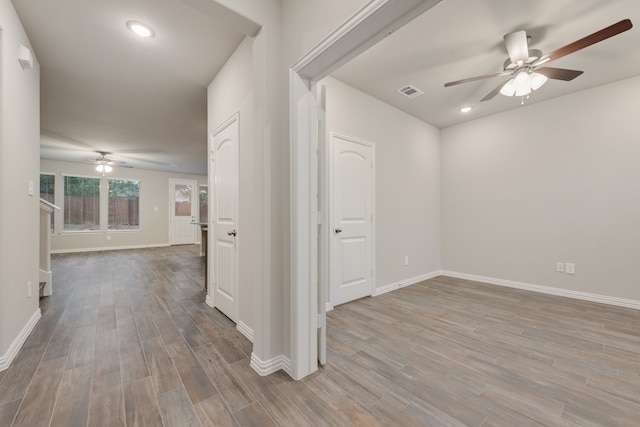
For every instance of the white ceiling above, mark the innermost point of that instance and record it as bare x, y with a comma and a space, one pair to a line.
144, 100
458, 39
103, 88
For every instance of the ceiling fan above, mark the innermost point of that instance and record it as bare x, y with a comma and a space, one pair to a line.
525, 66
105, 165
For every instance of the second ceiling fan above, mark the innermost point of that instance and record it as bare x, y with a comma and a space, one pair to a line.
525, 66
104, 164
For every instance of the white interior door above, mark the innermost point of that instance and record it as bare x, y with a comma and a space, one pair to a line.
224, 280
182, 206
352, 201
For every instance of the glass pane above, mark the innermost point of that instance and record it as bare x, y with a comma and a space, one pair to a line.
47, 187
182, 200
47, 191
124, 204
204, 204
81, 203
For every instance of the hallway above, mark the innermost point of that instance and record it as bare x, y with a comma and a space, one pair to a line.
126, 340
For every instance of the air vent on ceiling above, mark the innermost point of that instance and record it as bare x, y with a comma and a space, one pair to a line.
410, 91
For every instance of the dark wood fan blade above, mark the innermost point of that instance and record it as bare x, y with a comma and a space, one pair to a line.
594, 38
494, 92
559, 73
473, 79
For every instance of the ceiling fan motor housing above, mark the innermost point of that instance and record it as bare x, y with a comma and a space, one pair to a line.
534, 55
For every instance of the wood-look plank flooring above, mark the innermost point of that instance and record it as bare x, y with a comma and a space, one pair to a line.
126, 340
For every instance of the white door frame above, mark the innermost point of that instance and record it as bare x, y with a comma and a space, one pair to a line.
376, 20
194, 190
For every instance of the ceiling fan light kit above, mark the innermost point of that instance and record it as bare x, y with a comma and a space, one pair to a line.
523, 83
524, 65
103, 164
104, 168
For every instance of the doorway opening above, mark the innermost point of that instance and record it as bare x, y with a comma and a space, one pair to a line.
372, 23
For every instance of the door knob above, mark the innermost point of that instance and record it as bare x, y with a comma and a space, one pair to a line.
338, 230
232, 233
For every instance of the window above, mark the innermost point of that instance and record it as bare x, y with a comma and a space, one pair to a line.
47, 187
81, 203
124, 204
204, 203
47, 190
182, 200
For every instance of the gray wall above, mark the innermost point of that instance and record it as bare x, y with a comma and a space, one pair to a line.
407, 180
19, 164
556, 181
154, 193
229, 93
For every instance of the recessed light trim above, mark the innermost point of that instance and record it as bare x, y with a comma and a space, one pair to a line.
466, 109
140, 29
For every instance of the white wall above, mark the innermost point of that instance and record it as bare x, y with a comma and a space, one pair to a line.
19, 164
407, 180
270, 308
154, 192
553, 181
229, 93
288, 30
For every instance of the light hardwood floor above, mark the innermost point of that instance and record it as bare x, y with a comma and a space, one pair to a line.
126, 340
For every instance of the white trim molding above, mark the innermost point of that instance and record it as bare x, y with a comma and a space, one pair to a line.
47, 277
406, 282
244, 330
16, 345
209, 299
264, 368
372, 23
602, 299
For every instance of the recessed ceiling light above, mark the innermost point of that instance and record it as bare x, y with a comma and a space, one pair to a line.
465, 109
141, 29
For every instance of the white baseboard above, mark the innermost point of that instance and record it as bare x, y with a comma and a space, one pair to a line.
264, 368
245, 330
15, 347
406, 282
209, 300
393, 286
108, 248
603, 299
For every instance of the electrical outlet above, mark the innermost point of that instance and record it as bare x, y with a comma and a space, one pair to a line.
570, 268
560, 267
29, 289
108, 236
406, 260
